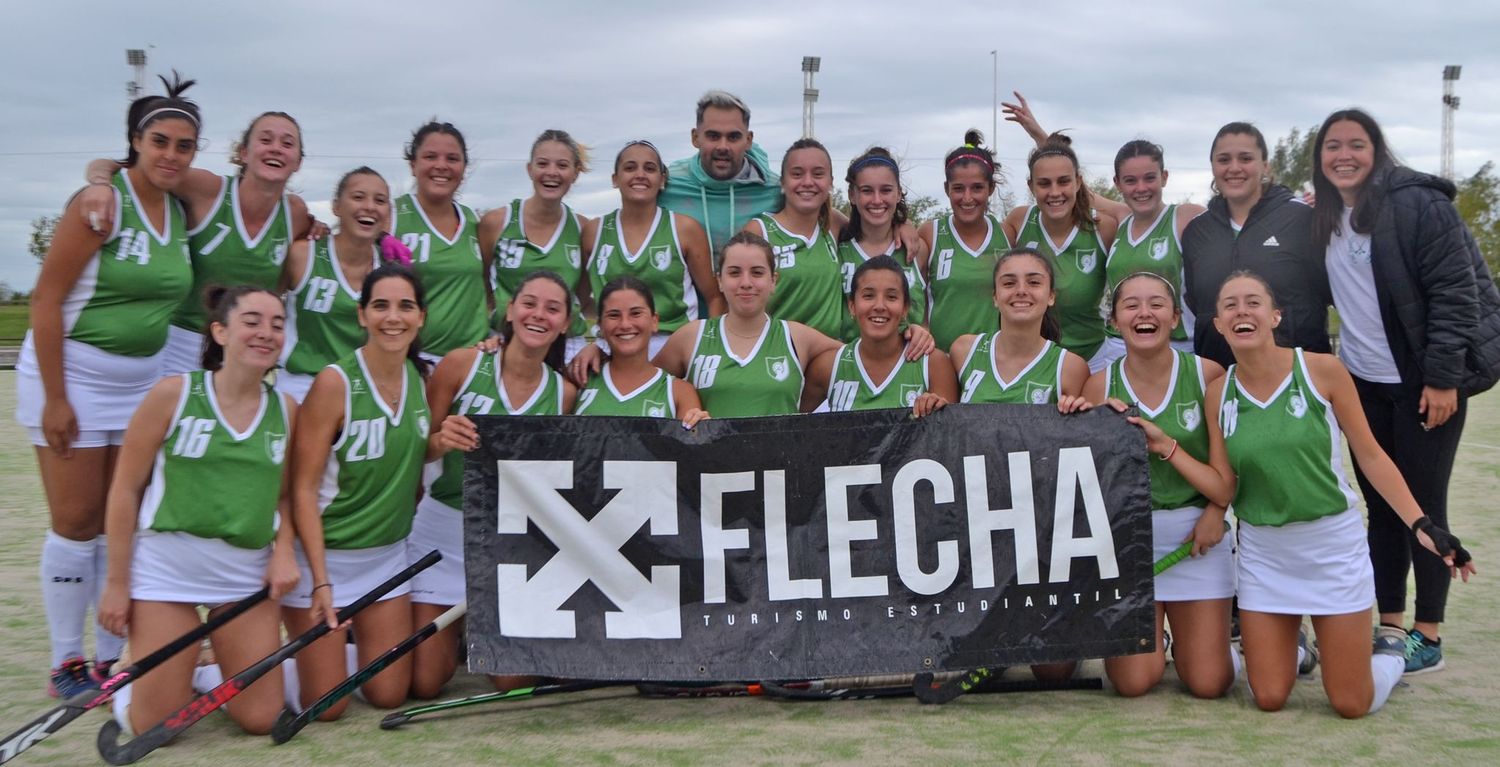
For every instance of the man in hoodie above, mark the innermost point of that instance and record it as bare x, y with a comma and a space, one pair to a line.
730, 181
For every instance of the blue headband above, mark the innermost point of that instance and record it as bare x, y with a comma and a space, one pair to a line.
874, 159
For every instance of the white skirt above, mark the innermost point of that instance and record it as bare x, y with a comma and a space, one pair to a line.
183, 352
1210, 576
353, 573
437, 526
1320, 567
103, 388
179, 567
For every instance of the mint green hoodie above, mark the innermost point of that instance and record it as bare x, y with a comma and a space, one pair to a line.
723, 207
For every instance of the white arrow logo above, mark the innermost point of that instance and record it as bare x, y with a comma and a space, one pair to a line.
588, 550
29, 738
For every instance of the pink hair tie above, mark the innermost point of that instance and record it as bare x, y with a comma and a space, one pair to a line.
391, 249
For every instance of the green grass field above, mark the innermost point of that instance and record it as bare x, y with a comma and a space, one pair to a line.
15, 319
1445, 717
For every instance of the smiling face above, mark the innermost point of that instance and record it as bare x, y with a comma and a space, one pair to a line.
1238, 167
538, 314
391, 315
254, 333
722, 138
806, 179
746, 279
1348, 156
552, 169
1140, 182
875, 192
627, 323
878, 303
1023, 289
272, 151
438, 166
1054, 183
969, 190
363, 207
1145, 312
164, 150
639, 174
1246, 314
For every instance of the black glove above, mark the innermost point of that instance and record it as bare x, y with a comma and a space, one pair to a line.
1445, 542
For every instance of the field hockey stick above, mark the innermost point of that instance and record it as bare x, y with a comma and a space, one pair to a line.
115, 752
834, 693
392, 721
289, 724
76, 706
1176, 555
675, 690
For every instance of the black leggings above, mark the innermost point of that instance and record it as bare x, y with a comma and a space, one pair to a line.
1425, 460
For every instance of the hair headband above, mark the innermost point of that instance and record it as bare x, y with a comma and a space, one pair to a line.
875, 159
640, 142
140, 126
971, 156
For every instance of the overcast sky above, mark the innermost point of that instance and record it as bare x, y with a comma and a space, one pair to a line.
359, 76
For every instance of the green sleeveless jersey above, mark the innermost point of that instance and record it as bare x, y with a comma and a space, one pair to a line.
188, 494
1180, 415
659, 263
517, 256
1157, 251
767, 382
1037, 384
1079, 263
850, 387
369, 491
322, 320
481, 392
452, 275
652, 399
809, 288
1287, 452
962, 287
851, 255
225, 254
123, 300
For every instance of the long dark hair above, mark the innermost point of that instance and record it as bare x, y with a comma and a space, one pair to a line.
1329, 210
558, 350
875, 155
394, 270
1059, 145
220, 301
825, 213
1051, 328
148, 109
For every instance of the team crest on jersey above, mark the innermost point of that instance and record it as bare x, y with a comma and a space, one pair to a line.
1189, 415
1229, 417
574, 259
654, 409
1158, 248
1087, 260
661, 258
1038, 394
278, 251
909, 394
422, 425
276, 447
778, 367
1296, 405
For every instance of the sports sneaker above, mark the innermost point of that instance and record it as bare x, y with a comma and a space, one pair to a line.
70, 678
1390, 640
1309, 654
1422, 654
99, 672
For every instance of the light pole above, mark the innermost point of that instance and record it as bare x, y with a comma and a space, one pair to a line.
1450, 105
136, 58
810, 66
995, 91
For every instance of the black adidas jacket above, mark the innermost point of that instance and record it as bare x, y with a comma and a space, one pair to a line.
1275, 243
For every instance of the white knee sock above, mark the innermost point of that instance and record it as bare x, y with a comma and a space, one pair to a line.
121, 704
1237, 660
206, 678
1301, 656
67, 575
1386, 671
107, 646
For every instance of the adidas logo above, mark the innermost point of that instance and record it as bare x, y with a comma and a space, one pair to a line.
1271, 242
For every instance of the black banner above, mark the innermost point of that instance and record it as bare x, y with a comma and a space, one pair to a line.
806, 546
